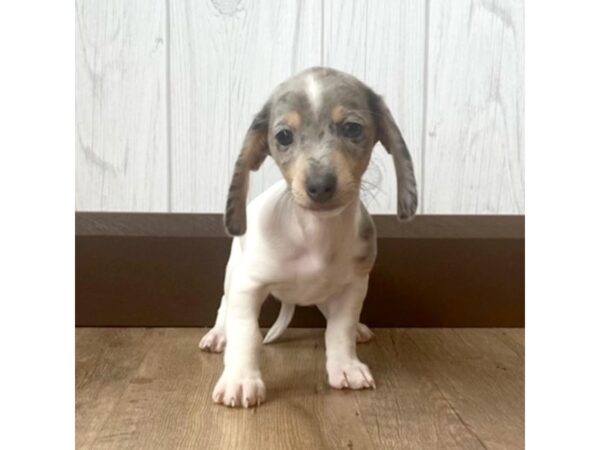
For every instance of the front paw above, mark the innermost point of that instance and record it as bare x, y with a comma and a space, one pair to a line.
235, 390
350, 374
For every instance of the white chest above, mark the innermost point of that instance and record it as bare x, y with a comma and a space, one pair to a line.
313, 276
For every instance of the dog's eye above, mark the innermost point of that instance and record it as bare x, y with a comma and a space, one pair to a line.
352, 130
285, 137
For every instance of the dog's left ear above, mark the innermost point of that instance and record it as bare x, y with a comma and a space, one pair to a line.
254, 151
390, 137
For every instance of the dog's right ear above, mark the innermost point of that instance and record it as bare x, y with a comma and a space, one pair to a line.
254, 151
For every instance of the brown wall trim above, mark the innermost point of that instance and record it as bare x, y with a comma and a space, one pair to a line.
156, 269
211, 225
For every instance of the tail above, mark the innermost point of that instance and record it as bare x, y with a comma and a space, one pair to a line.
283, 320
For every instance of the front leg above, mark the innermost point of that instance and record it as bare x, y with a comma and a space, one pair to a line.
344, 369
240, 383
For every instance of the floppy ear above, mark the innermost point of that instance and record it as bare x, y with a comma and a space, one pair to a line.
390, 137
254, 151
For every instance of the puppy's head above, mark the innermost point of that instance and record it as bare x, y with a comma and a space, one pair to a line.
320, 128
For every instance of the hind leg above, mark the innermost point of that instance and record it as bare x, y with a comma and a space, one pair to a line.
363, 332
214, 341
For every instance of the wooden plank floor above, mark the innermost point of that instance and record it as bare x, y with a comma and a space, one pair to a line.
436, 388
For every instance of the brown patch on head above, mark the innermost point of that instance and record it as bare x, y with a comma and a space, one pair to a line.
348, 183
338, 114
349, 170
293, 119
295, 175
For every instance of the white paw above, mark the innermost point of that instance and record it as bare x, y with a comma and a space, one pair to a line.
363, 333
350, 374
213, 341
236, 391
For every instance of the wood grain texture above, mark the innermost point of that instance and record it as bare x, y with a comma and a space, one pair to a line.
121, 145
466, 363
226, 58
106, 361
474, 141
436, 389
382, 43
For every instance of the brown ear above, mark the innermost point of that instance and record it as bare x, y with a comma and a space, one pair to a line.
390, 137
254, 151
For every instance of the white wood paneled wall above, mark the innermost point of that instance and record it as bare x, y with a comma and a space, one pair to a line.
167, 88
121, 106
474, 141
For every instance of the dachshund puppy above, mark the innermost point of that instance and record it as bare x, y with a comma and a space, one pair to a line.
307, 240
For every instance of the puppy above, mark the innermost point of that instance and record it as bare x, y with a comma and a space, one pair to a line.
307, 240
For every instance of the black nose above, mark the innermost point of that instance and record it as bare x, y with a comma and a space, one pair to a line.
322, 187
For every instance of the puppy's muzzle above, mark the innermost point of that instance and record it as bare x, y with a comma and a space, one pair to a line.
321, 188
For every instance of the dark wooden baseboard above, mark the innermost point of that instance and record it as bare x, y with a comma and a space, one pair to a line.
145, 269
